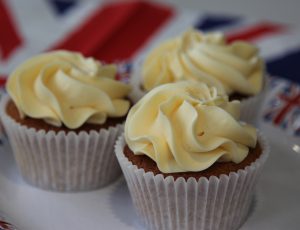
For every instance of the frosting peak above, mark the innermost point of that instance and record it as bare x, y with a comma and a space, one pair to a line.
187, 126
234, 67
63, 87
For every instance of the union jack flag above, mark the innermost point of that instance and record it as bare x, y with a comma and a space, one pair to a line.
6, 226
109, 32
283, 108
124, 31
124, 71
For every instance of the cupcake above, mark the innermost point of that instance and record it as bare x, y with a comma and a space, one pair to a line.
234, 68
62, 115
188, 162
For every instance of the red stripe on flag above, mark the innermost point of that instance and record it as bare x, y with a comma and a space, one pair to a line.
255, 31
117, 31
2, 81
10, 39
290, 103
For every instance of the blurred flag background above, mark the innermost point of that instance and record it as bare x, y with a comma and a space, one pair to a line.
122, 31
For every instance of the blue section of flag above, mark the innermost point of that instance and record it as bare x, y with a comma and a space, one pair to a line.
286, 66
62, 6
211, 22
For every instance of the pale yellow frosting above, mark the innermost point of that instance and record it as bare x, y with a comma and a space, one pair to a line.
63, 87
234, 67
185, 127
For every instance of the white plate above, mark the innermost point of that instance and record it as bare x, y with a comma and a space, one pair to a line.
277, 203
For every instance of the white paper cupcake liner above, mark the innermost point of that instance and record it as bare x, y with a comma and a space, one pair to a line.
63, 161
217, 203
251, 107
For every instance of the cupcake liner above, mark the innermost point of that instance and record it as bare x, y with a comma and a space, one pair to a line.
217, 203
251, 107
63, 161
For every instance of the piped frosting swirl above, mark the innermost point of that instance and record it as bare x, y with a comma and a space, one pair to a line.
63, 87
188, 126
231, 67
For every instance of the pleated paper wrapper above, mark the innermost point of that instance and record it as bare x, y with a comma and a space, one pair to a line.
251, 107
66, 162
217, 203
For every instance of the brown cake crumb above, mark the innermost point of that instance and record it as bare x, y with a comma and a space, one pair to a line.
218, 168
39, 124
237, 96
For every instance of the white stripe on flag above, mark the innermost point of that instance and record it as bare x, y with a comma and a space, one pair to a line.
277, 45
41, 34
181, 21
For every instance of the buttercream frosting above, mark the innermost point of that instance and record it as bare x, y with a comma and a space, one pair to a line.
185, 127
231, 67
63, 87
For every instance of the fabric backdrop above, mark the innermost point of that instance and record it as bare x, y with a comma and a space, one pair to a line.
124, 31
